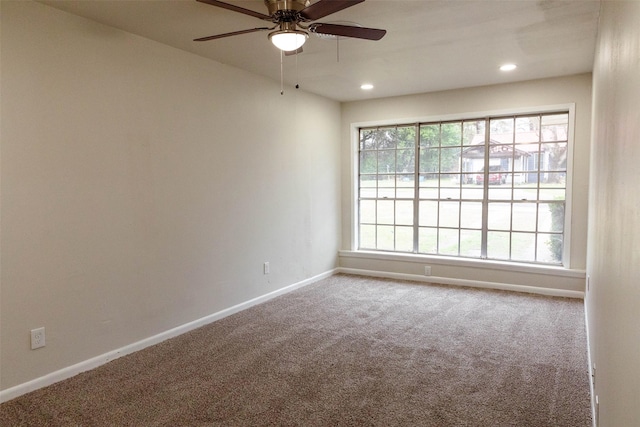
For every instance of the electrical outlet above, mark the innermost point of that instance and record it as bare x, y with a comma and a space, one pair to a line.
37, 338
427, 270
265, 268
588, 283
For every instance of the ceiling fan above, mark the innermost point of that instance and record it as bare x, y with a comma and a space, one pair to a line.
293, 19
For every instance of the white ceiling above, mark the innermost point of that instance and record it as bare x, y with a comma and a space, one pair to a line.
430, 45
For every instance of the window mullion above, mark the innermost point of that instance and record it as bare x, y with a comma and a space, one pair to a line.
485, 189
416, 191
395, 190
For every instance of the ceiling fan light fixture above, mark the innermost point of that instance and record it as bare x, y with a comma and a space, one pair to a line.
288, 40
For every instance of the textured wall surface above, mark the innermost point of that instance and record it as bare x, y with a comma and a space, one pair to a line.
614, 216
143, 187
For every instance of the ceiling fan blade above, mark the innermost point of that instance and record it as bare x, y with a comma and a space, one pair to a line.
235, 33
348, 31
323, 8
237, 9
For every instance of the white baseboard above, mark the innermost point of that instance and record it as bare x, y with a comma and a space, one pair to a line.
594, 408
465, 282
70, 371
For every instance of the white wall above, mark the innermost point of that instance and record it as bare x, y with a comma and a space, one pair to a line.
613, 303
537, 93
143, 187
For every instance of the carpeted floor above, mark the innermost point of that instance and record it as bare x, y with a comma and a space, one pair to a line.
345, 351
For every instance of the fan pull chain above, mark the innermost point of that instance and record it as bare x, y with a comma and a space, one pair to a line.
297, 79
281, 73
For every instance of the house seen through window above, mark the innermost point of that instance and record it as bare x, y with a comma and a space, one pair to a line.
489, 188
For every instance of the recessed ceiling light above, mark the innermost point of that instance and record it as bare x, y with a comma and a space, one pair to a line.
508, 67
366, 86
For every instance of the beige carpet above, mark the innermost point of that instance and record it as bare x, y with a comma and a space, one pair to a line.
345, 351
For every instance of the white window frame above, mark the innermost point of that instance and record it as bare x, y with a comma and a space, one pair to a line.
354, 161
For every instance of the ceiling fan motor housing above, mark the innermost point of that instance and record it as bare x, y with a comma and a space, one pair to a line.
275, 6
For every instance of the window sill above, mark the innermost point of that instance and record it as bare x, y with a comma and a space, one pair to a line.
558, 271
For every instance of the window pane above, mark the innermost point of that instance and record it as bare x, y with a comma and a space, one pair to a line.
367, 237
405, 186
498, 245
518, 177
404, 239
499, 193
386, 161
527, 129
367, 192
428, 214
451, 134
406, 137
404, 212
554, 127
468, 178
450, 159
428, 240
449, 192
368, 211
367, 186
473, 132
502, 130
552, 194
550, 248
472, 192
553, 179
385, 237
406, 161
429, 160
386, 190
385, 138
450, 180
523, 246
385, 212
449, 214
429, 193
525, 192
470, 243
551, 217
555, 158
368, 139
405, 180
555, 119
473, 158
429, 180
405, 192
499, 216
524, 217
448, 241
471, 215
429, 135
368, 162
528, 150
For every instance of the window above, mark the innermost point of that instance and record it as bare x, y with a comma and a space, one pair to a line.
489, 188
